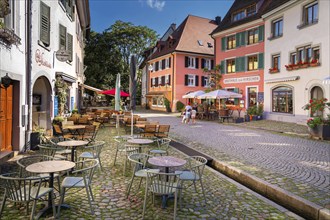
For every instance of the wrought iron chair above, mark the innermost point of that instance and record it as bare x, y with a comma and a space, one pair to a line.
95, 149
162, 184
139, 170
194, 173
82, 180
163, 145
124, 148
25, 190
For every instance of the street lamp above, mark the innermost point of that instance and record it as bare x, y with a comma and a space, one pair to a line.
150, 68
6, 81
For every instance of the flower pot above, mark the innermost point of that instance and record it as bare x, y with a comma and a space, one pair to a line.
320, 131
254, 117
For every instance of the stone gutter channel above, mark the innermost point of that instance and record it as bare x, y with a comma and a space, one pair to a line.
294, 203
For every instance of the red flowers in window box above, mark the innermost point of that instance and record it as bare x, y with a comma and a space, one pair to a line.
314, 62
273, 70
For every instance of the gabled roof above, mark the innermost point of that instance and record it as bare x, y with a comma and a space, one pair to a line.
185, 38
227, 22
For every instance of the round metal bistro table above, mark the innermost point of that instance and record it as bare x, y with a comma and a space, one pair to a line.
73, 144
140, 141
49, 167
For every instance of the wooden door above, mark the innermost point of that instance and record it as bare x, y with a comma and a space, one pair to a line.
6, 118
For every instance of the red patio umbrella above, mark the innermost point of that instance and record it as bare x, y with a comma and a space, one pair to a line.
113, 92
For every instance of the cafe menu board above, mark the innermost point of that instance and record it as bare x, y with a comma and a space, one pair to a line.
260, 97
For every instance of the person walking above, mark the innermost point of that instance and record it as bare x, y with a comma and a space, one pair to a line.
188, 109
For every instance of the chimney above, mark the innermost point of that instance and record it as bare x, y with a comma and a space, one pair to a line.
173, 26
218, 20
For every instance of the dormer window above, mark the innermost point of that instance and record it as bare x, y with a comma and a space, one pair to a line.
243, 13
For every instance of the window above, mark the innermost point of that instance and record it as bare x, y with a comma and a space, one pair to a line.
316, 53
160, 82
9, 19
62, 37
207, 64
282, 100
253, 62
253, 36
67, 7
276, 62
191, 62
252, 96
44, 24
231, 66
316, 93
167, 79
158, 101
246, 12
293, 58
277, 28
191, 80
167, 63
153, 81
310, 13
206, 81
160, 65
300, 55
231, 42
70, 46
308, 55
239, 15
153, 67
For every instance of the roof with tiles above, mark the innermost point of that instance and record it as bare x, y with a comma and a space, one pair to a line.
192, 35
261, 7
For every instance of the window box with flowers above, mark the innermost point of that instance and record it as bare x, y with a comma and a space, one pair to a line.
304, 64
274, 70
319, 126
289, 67
314, 63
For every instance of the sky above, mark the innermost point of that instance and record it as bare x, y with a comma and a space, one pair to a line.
155, 14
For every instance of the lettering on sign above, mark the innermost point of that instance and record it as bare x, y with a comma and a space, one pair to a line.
40, 59
242, 79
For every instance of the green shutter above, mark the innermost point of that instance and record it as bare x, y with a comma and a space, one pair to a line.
243, 63
236, 100
238, 41
243, 38
260, 60
261, 33
223, 43
237, 65
62, 37
44, 23
70, 46
222, 70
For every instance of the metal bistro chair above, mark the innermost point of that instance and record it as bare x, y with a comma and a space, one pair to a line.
124, 148
196, 165
162, 184
25, 190
163, 145
26, 161
140, 170
84, 180
60, 150
95, 149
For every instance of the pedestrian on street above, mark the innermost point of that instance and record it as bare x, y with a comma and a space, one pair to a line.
187, 116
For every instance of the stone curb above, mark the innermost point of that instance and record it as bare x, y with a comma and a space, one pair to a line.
283, 197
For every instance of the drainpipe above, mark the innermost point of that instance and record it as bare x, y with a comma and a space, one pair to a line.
28, 63
172, 81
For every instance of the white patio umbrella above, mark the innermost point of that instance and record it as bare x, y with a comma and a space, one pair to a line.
219, 94
117, 94
192, 95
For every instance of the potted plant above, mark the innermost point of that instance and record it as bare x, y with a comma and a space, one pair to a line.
35, 136
167, 105
259, 111
252, 112
289, 67
273, 70
314, 63
318, 126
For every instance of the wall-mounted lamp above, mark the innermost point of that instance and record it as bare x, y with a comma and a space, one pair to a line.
6, 81
150, 68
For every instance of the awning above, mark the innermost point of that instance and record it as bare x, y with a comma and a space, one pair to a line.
66, 77
91, 88
283, 79
150, 94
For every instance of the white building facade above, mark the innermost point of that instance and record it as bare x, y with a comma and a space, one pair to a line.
12, 76
296, 58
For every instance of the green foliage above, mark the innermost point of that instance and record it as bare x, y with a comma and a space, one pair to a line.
252, 110
316, 108
75, 111
167, 105
215, 77
58, 119
260, 110
179, 106
109, 53
61, 92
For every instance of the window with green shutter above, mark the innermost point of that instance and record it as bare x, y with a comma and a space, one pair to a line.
238, 41
62, 38
44, 24
223, 43
222, 67
236, 100
243, 38
260, 60
261, 33
70, 46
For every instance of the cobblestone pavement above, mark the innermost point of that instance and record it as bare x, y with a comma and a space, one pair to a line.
225, 199
299, 165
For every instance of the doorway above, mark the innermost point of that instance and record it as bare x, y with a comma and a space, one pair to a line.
6, 118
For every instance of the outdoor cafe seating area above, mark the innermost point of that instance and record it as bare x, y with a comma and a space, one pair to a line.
134, 149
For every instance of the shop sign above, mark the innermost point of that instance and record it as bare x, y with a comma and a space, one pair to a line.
62, 55
242, 80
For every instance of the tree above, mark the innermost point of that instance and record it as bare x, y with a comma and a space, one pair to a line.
214, 77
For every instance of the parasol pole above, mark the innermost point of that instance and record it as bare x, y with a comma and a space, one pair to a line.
132, 122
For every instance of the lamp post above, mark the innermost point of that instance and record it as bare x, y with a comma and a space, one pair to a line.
6, 81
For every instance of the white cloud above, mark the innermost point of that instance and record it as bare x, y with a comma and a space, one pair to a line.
157, 4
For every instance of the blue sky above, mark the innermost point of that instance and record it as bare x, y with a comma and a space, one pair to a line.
155, 14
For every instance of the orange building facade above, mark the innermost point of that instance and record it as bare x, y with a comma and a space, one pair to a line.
177, 64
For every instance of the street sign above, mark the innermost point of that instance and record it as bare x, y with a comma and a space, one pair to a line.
62, 55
